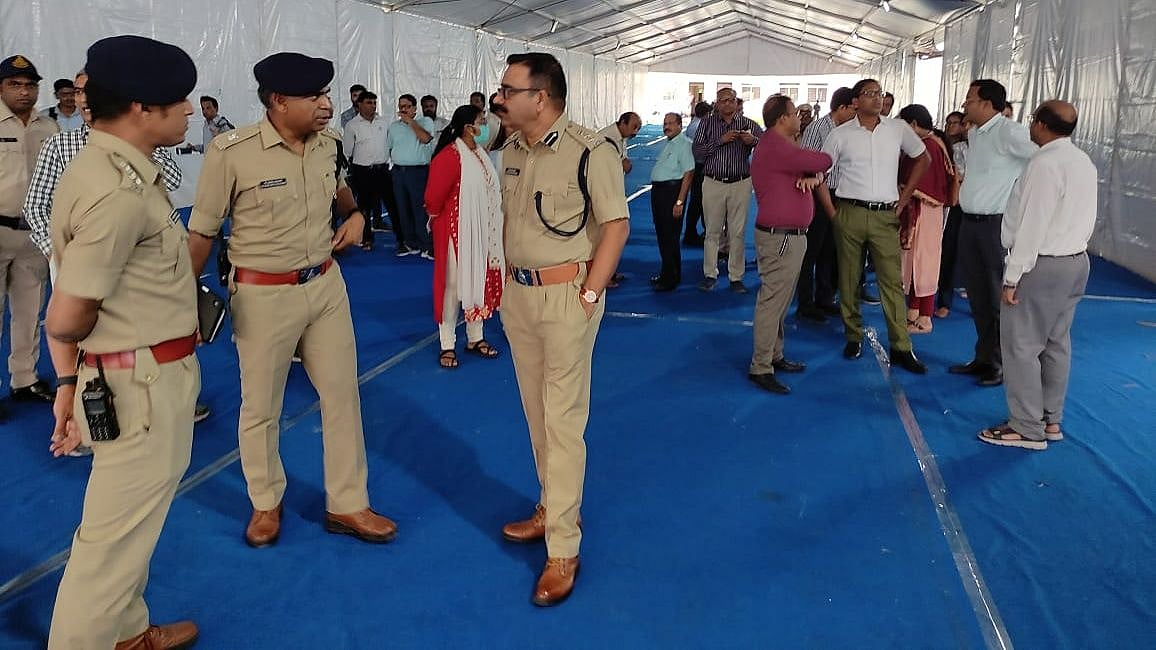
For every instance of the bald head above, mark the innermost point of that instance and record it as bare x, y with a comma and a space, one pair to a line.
1064, 110
1054, 119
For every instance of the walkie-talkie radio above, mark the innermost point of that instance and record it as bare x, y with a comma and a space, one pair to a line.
99, 410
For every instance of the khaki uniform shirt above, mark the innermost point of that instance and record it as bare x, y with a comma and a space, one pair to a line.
19, 146
550, 167
281, 202
115, 240
615, 136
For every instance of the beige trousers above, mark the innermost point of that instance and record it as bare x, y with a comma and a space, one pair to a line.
726, 203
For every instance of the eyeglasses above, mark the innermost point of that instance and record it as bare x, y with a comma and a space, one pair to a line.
506, 91
871, 93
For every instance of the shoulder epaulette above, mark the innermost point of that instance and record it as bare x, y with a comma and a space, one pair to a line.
588, 138
332, 133
226, 140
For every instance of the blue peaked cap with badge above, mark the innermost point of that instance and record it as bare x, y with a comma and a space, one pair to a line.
141, 70
18, 66
293, 74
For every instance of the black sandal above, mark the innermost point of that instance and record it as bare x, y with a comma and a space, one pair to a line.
448, 359
483, 349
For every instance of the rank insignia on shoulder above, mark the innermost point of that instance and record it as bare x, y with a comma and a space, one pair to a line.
274, 182
551, 139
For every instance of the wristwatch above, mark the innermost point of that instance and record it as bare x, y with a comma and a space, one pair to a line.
589, 295
678, 202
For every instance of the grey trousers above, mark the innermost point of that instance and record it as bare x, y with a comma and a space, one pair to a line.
780, 260
1035, 337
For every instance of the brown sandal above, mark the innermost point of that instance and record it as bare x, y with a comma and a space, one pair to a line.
1005, 436
482, 349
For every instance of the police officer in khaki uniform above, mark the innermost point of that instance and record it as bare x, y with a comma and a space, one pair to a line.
23, 271
126, 297
279, 178
566, 223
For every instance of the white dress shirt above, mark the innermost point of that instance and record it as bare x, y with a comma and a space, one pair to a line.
1052, 210
867, 162
363, 141
996, 155
615, 136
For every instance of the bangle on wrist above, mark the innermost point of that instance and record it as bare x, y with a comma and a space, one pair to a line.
66, 380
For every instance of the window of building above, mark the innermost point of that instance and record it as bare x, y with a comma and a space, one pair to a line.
816, 94
697, 90
751, 93
790, 90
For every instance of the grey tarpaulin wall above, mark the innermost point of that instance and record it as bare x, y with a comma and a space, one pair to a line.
1099, 55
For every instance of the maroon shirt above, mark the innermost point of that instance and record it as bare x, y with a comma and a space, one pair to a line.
937, 181
777, 165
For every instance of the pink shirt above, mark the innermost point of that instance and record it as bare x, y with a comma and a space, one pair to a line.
777, 165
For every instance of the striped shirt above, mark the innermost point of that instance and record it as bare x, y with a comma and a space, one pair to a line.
730, 160
815, 136
57, 152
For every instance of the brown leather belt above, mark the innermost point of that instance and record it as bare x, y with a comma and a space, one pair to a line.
550, 275
165, 352
300, 276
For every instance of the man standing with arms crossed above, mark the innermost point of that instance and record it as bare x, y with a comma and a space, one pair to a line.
279, 179
561, 248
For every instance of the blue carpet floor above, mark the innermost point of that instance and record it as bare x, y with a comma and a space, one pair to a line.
715, 515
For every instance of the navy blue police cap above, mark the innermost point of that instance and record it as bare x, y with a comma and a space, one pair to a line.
18, 66
293, 74
141, 70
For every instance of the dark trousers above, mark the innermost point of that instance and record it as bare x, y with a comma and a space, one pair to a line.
373, 185
409, 186
694, 205
948, 258
663, 194
819, 278
981, 260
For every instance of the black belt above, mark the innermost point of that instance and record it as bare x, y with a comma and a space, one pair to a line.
15, 223
728, 179
980, 217
377, 166
781, 231
666, 183
877, 206
1059, 257
411, 166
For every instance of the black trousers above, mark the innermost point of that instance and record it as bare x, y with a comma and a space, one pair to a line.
981, 257
819, 277
373, 186
663, 194
694, 204
948, 258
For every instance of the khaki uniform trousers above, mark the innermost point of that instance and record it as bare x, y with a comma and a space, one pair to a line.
130, 489
726, 203
552, 343
268, 322
857, 227
23, 272
780, 261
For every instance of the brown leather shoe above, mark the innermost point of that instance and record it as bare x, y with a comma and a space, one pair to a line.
366, 525
527, 530
556, 581
175, 636
264, 528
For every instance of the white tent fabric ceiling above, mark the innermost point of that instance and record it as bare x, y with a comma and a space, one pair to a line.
649, 31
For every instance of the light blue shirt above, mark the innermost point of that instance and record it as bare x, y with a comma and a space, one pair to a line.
66, 123
403, 146
996, 155
675, 160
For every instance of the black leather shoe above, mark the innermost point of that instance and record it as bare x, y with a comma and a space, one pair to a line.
664, 286
908, 362
786, 365
868, 297
37, 392
972, 367
991, 378
768, 382
852, 350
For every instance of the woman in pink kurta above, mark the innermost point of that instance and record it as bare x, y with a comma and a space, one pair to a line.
463, 200
921, 224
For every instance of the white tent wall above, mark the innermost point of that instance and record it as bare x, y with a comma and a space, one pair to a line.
895, 72
1099, 56
390, 52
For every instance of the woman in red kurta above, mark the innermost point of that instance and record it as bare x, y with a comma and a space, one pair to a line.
921, 224
464, 203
